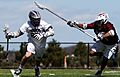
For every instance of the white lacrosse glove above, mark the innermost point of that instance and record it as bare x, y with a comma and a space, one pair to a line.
96, 39
48, 33
100, 35
38, 36
10, 35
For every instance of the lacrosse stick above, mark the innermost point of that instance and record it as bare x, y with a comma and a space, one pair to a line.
6, 31
45, 8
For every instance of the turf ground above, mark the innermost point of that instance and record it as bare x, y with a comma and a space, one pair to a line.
62, 73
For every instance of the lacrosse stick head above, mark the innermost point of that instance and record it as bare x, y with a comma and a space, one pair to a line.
6, 28
39, 5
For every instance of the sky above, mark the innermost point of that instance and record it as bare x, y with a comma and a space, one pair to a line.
15, 13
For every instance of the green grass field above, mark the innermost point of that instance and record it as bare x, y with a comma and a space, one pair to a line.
62, 73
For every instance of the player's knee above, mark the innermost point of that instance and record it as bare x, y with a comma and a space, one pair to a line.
92, 53
28, 54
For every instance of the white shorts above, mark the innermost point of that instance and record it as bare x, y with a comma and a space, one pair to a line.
108, 50
37, 50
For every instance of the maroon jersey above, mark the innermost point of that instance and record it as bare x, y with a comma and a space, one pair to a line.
110, 40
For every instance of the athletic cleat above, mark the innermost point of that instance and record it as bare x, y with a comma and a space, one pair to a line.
18, 71
13, 73
38, 75
98, 73
37, 72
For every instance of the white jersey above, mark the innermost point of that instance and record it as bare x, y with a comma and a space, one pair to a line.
31, 30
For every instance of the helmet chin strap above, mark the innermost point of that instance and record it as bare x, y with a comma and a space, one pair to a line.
105, 21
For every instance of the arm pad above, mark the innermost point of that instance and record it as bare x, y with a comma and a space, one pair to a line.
14, 34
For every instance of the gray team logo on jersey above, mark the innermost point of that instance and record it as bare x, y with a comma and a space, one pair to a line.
36, 31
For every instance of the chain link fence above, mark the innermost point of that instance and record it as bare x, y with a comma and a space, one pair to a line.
76, 56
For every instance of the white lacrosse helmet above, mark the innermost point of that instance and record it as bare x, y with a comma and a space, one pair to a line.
102, 16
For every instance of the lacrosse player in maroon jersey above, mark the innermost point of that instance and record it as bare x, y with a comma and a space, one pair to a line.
106, 37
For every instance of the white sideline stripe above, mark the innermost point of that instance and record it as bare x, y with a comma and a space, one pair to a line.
12, 71
87, 74
104, 74
111, 71
111, 74
51, 74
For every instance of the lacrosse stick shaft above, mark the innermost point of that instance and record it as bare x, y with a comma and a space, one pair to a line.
84, 32
7, 50
6, 30
7, 44
42, 8
57, 15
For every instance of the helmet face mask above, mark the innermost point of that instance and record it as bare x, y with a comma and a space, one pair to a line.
99, 23
35, 22
35, 18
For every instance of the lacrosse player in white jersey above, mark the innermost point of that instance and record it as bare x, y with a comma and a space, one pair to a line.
37, 31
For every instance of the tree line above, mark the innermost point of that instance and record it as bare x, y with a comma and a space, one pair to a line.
76, 56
